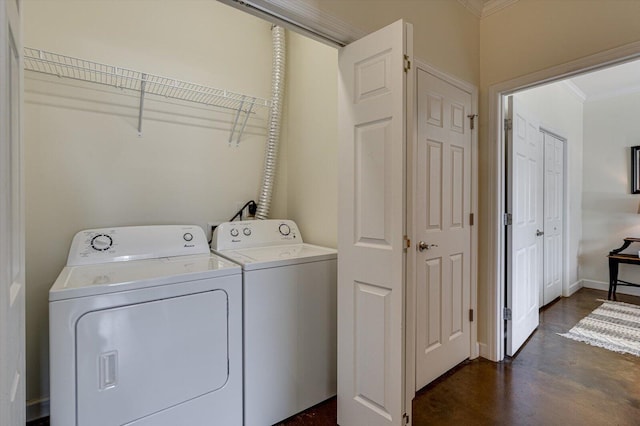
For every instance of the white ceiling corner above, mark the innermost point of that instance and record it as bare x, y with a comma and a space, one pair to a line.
609, 82
575, 90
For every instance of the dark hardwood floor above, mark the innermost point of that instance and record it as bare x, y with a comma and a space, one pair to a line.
551, 381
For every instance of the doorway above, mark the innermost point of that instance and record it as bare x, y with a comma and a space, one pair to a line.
535, 210
497, 94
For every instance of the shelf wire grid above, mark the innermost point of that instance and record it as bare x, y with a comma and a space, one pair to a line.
80, 69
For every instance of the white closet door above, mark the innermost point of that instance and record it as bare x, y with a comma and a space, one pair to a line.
553, 217
12, 285
442, 208
372, 111
524, 235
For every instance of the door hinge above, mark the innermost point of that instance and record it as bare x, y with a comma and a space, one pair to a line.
407, 242
471, 219
507, 314
507, 219
508, 124
405, 417
407, 63
470, 315
471, 117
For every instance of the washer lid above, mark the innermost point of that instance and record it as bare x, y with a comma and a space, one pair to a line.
90, 280
274, 256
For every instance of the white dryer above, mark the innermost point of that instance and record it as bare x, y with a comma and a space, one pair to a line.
289, 317
145, 329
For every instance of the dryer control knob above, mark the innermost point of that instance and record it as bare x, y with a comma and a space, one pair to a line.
101, 242
284, 229
246, 231
188, 236
234, 232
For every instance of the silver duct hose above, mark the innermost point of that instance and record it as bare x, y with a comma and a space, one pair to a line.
273, 137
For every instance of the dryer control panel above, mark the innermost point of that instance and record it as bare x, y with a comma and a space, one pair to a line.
255, 233
106, 245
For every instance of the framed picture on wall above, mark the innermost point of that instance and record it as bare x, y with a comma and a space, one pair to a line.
635, 169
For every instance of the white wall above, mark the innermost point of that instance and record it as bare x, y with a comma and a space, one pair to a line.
610, 211
560, 111
85, 164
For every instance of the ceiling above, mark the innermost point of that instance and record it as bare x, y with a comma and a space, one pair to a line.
609, 82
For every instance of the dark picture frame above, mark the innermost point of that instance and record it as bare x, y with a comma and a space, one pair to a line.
635, 169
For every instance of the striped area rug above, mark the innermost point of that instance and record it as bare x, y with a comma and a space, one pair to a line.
613, 325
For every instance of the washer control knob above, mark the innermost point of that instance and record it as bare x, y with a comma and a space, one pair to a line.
101, 242
234, 232
246, 231
188, 236
284, 229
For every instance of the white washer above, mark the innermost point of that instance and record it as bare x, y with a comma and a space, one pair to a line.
145, 329
289, 317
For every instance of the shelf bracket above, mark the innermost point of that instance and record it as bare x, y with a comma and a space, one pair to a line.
246, 118
235, 122
143, 83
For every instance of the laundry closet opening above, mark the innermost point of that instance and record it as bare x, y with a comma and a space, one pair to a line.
87, 166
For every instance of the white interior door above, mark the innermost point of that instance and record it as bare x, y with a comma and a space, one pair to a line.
12, 291
372, 108
524, 235
553, 218
442, 223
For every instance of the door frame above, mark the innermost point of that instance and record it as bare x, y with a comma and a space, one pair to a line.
411, 308
494, 271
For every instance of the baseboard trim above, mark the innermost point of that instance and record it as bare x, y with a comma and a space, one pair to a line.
600, 285
37, 409
484, 351
574, 287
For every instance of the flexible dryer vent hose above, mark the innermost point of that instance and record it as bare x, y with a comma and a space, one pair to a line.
273, 137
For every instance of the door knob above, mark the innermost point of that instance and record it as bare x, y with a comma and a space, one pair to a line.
539, 232
422, 246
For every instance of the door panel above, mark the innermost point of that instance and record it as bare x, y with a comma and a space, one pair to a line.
553, 218
371, 225
524, 238
443, 203
12, 292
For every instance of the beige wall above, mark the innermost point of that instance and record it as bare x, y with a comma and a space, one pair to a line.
445, 33
85, 164
311, 134
610, 211
560, 111
533, 35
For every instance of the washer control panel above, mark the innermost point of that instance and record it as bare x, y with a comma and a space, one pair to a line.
255, 233
136, 242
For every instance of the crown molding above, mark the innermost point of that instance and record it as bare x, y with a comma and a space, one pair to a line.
575, 90
492, 6
473, 6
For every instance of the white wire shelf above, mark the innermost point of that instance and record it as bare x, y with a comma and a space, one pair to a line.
81, 69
